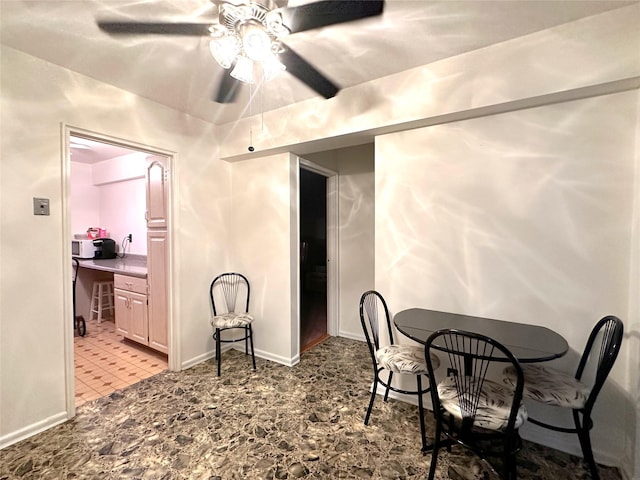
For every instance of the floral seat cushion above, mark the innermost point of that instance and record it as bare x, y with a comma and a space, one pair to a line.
404, 359
231, 320
494, 405
550, 386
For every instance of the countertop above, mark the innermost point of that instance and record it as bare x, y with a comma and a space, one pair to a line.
133, 265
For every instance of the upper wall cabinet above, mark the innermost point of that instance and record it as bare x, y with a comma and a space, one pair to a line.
157, 181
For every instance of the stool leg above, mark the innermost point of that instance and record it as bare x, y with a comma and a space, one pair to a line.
109, 303
100, 295
94, 300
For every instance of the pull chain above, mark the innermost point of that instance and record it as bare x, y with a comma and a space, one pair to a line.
251, 149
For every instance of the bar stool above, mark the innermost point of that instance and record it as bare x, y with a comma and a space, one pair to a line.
102, 299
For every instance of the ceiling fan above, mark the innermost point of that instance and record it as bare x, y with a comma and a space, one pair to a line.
247, 38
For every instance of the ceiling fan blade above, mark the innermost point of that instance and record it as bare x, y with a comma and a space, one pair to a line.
328, 12
228, 89
125, 27
306, 73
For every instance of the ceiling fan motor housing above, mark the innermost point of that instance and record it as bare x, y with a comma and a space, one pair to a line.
234, 15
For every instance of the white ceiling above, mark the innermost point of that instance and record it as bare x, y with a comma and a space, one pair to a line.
180, 72
88, 151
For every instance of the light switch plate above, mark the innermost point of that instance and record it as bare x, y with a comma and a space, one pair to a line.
40, 206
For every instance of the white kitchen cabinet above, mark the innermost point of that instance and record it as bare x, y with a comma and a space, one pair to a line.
157, 184
132, 310
157, 247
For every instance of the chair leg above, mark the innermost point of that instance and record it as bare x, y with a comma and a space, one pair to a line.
434, 451
509, 460
253, 356
386, 392
373, 397
582, 428
218, 353
421, 414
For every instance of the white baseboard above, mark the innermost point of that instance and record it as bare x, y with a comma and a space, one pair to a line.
289, 362
30, 430
627, 469
555, 440
411, 399
353, 336
196, 360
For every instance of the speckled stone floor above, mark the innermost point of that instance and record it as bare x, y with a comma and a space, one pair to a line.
275, 423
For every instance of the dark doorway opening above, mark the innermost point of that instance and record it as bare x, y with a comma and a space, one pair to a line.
313, 259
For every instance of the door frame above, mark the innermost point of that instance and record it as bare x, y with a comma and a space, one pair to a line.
333, 264
66, 131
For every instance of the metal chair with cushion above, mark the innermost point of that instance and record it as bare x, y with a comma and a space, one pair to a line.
470, 409
224, 292
392, 358
553, 387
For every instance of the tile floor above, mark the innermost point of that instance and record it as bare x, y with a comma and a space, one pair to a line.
106, 362
277, 422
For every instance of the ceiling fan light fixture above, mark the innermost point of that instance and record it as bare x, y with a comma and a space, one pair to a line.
271, 67
256, 43
225, 50
243, 70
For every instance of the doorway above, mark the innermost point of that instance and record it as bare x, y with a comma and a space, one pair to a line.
313, 259
102, 359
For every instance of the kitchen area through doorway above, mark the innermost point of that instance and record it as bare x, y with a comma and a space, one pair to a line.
119, 225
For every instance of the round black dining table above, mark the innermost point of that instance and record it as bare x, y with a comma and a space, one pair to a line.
528, 343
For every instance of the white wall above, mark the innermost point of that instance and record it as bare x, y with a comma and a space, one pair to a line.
122, 209
524, 216
356, 213
84, 200
111, 195
32, 367
261, 249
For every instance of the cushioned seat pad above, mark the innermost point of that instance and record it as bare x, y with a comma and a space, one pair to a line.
231, 320
404, 359
494, 405
550, 386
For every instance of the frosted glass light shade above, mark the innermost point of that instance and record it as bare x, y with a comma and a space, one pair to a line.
224, 50
243, 70
271, 67
256, 43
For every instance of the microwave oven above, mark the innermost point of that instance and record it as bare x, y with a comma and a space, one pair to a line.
83, 248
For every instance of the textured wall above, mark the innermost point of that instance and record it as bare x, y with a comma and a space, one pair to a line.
36, 98
524, 216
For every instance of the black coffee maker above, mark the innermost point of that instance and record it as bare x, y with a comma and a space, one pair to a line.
105, 249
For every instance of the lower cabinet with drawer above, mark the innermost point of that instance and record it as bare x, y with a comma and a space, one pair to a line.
132, 310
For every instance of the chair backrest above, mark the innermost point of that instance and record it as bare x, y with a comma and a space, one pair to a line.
604, 342
373, 311
227, 288
469, 357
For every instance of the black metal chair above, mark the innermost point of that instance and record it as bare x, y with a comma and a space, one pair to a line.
552, 387
224, 292
401, 359
471, 410
79, 323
